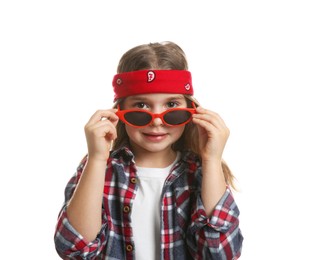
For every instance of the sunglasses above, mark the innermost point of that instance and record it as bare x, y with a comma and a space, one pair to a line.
143, 118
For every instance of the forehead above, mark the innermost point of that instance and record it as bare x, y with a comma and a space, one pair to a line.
156, 97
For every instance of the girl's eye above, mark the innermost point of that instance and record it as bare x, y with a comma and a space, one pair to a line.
140, 105
172, 104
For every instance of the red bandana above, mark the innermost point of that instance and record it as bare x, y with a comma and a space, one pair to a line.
152, 81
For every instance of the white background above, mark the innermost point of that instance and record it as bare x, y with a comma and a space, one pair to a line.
249, 61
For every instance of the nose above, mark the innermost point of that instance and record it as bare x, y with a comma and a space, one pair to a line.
157, 121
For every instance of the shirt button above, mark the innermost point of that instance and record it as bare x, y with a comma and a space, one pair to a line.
133, 180
129, 248
126, 209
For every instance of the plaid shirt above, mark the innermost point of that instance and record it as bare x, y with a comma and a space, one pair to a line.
186, 231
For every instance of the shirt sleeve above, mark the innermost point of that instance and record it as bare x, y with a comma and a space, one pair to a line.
218, 236
68, 242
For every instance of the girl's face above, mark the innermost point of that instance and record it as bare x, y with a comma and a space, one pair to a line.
156, 137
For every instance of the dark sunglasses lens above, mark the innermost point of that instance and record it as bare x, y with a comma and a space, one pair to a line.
177, 117
138, 118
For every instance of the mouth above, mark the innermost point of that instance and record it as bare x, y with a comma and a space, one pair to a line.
155, 136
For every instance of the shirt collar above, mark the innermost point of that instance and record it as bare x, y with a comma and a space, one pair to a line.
123, 153
127, 155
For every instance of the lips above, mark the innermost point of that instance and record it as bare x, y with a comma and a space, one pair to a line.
155, 136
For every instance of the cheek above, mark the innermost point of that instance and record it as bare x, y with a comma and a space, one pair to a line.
131, 131
177, 131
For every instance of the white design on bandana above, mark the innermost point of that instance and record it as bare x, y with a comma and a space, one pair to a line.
187, 87
119, 81
150, 76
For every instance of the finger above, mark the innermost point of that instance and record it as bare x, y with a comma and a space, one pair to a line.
101, 114
204, 111
212, 116
212, 119
102, 128
205, 127
208, 126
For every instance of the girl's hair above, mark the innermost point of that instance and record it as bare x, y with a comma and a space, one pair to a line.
162, 56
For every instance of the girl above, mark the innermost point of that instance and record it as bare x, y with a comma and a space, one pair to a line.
153, 184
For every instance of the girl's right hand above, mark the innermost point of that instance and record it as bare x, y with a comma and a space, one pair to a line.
100, 132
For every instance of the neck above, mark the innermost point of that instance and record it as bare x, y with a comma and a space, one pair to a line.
160, 159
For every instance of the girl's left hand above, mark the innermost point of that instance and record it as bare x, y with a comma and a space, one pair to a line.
213, 134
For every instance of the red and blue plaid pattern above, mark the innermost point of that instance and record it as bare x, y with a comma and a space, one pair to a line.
186, 231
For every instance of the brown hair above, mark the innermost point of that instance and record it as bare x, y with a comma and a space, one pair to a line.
162, 56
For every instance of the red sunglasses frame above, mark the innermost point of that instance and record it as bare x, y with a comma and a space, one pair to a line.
121, 113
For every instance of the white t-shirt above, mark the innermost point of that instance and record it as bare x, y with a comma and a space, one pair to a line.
146, 212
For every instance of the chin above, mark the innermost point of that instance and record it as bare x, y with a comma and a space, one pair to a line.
152, 148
